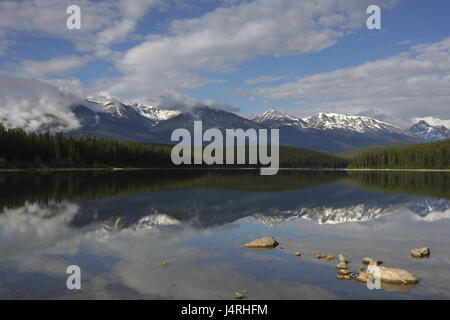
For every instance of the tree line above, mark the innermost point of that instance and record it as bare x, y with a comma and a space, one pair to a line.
433, 155
19, 149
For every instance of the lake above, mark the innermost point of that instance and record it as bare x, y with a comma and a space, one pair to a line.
118, 226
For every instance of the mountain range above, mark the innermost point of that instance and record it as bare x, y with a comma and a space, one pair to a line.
329, 132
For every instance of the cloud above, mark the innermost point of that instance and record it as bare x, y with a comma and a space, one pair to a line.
263, 79
433, 121
34, 105
184, 103
414, 83
102, 22
53, 67
71, 86
35, 227
48, 17
227, 36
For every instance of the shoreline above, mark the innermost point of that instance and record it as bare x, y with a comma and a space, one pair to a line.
205, 168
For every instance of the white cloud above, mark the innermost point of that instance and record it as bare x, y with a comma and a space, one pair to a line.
71, 86
35, 227
49, 17
414, 83
219, 40
102, 22
433, 121
33, 105
53, 67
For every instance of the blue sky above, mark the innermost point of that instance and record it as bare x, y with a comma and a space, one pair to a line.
298, 56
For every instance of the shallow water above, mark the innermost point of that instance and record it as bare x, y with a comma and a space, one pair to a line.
118, 227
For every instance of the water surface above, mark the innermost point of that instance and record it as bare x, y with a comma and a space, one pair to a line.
118, 226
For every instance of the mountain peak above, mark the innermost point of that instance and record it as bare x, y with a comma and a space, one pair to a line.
274, 119
429, 132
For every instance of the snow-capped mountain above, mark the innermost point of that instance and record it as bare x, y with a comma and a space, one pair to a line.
360, 124
145, 223
125, 109
121, 120
431, 209
430, 132
326, 215
327, 121
275, 119
332, 132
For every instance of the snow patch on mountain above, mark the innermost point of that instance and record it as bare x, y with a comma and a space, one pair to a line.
325, 215
431, 210
329, 121
360, 124
126, 109
155, 220
429, 132
274, 119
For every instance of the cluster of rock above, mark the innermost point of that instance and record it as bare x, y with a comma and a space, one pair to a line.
389, 277
343, 272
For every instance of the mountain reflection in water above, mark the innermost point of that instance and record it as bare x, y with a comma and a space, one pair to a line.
107, 219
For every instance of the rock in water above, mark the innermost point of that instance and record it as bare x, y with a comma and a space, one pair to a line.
262, 243
341, 265
363, 277
344, 272
397, 276
238, 296
391, 276
339, 277
319, 255
298, 254
368, 260
421, 252
343, 258
329, 258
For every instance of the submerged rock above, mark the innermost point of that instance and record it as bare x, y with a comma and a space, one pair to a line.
339, 276
262, 243
368, 260
329, 258
421, 252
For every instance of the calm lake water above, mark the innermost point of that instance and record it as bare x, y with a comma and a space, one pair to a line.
118, 226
